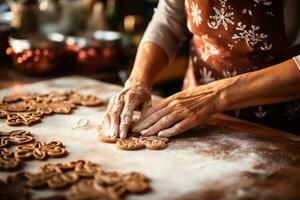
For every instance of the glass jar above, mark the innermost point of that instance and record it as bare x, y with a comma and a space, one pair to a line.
25, 15
35, 54
73, 16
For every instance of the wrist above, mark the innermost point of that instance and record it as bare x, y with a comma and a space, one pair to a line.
138, 82
224, 96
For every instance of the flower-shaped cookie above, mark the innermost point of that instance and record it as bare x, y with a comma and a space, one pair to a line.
16, 137
62, 179
3, 113
41, 150
64, 107
15, 187
17, 107
89, 189
28, 108
122, 182
8, 161
19, 97
85, 100
28, 118
59, 175
137, 142
108, 185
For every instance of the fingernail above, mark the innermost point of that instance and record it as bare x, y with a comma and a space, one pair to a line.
116, 134
160, 134
143, 132
122, 134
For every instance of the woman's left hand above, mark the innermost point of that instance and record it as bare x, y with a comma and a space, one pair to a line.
179, 112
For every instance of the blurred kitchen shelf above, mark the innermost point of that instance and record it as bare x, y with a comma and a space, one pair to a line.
10, 77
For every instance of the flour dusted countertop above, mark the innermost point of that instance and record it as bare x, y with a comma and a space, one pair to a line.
226, 159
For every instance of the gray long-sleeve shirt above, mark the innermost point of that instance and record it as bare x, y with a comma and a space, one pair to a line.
168, 26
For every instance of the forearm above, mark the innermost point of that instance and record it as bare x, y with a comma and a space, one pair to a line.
162, 38
275, 84
149, 61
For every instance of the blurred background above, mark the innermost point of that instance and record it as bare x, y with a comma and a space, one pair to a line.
43, 39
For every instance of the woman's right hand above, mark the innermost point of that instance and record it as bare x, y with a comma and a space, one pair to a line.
118, 116
136, 95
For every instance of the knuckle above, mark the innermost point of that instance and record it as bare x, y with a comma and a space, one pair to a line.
152, 118
175, 103
124, 125
165, 119
129, 108
124, 115
115, 118
127, 97
118, 97
131, 95
186, 110
112, 99
114, 109
113, 112
177, 114
105, 119
194, 119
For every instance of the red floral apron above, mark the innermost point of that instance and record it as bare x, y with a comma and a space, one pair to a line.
232, 37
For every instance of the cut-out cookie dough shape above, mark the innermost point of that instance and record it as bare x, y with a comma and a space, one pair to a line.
15, 188
62, 107
59, 175
137, 142
85, 100
20, 97
27, 119
3, 113
29, 108
40, 150
62, 180
17, 107
109, 185
155, 142
16, 137
121, 183
131, 143
89, 189
86, 169
106, 139
104, 185
8, 161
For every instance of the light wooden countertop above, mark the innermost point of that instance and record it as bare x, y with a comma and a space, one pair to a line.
225, 159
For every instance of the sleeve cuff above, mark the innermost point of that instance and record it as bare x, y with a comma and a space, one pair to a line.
169, 48
297, 61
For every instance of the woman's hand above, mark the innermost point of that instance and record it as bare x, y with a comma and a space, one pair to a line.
136, 94
118, 116
179, 112
190, 108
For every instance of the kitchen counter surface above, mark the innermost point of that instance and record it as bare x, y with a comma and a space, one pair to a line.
224, 159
